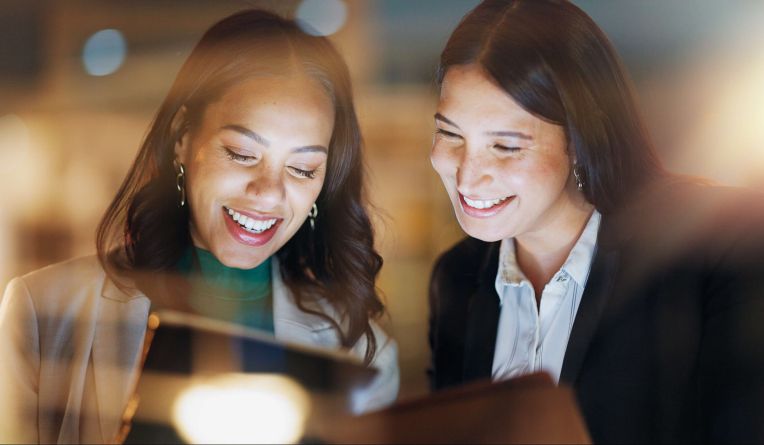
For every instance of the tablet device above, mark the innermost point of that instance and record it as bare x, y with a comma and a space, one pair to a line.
181, 349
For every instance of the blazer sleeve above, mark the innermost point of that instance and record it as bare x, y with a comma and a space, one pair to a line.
434, 324
454, 279
19, 366
383, 390
731, 362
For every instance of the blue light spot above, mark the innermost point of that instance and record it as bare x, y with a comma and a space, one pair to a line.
321, 17
104, 52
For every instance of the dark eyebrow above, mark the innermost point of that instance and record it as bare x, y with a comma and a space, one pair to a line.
516, 134
310, 148
265, 142
440, 117
512, 134
248, 133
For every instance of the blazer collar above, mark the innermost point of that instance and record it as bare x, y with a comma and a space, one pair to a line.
124, 289
483, 308
119, 326
290, 322
597, 293
285, 308
482, 318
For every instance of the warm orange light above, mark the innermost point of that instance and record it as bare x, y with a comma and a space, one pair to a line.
242, 408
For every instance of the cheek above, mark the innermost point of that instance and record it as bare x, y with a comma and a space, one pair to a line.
210, 184
301, 195
556, 170
444, 163
547, 176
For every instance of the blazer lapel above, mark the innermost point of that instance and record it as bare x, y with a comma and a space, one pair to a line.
599, 288
482, 319
117, 347
292, 324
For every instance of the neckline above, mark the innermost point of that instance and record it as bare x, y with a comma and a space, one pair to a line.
213, 279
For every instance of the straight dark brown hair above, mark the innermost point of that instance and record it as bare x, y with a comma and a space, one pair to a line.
557, 64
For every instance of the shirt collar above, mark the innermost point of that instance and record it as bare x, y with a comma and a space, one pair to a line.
579, 261
509, 271
576, 266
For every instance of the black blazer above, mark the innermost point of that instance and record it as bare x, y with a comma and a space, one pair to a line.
668, 341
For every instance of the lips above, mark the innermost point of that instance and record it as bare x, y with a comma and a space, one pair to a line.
484, 208
250, 229
251, 224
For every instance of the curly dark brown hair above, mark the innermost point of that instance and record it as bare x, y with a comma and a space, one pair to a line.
145, 230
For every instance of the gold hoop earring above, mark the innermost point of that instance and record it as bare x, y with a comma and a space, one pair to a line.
312, 216
180, 182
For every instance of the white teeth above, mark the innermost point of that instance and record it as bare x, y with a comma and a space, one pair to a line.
251, 224
483, 204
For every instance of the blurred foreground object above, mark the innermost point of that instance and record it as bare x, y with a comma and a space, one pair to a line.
529, 409
242, 408
209, 381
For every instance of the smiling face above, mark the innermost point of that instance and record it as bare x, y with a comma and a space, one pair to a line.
255, 164
507, 172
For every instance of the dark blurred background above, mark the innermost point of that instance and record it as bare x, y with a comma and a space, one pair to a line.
81, 79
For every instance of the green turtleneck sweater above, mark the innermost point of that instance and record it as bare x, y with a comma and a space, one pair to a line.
242, 296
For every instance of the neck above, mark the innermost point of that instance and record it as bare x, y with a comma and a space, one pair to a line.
540, 254
207, 272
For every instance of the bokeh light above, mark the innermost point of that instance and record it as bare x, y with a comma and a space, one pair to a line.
727, 141
14, 134
242, 408
104, 52
321, 17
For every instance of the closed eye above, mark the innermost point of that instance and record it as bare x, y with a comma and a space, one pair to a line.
238, 157
447, 134
308, 174
507, 148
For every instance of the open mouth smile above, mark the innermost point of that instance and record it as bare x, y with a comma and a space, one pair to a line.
250, 229
483, 208
250, 224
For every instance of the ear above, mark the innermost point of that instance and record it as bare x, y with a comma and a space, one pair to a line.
573, 157
179, 129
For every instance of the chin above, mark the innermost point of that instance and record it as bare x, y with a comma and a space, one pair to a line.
239, 261
488, 237
482, 232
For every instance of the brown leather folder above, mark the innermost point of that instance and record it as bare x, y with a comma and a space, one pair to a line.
528, 409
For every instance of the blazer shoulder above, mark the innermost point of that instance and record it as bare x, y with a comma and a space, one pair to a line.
682, 196
683, 216
63, 283
464, 259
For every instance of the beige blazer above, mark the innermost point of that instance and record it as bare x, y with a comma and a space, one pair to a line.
70, 346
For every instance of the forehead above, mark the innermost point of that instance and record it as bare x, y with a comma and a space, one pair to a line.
270, 91
285, 112
467, 92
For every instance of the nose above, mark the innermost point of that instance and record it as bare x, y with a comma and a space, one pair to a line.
266, 188
473, 173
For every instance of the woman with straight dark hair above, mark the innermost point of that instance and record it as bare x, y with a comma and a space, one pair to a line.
245, 203
642, 290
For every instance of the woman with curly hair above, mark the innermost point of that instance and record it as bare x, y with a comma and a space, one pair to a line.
245, 203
